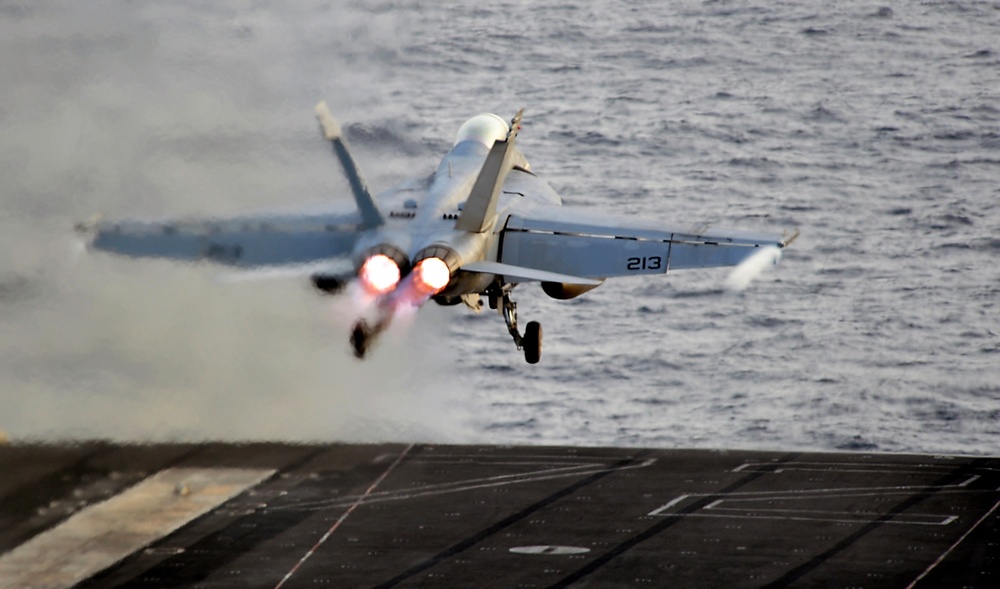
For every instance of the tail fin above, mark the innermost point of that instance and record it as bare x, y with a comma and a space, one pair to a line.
482, 203
370, 215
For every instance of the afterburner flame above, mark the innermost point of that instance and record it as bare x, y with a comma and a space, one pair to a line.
379, 274
431, 275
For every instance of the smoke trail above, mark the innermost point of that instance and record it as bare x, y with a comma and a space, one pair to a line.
750, 269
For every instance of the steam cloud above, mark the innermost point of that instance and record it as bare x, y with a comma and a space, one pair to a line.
108, 109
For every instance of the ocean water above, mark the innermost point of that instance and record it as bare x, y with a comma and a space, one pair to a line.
872, 128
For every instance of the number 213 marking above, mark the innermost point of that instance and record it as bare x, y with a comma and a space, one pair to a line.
650, 263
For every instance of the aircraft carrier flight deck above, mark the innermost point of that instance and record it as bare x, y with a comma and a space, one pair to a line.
94, 515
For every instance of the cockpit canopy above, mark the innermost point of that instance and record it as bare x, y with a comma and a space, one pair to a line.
485, 128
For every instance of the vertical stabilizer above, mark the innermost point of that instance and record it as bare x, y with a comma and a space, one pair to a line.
482, 203
370, 215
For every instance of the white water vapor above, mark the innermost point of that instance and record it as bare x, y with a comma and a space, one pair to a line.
106, 109
752, 268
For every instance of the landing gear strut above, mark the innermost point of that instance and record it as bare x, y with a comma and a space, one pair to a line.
531, 341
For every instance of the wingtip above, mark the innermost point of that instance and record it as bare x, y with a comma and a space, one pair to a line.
331, 130
788, 240
86, 234
89, 226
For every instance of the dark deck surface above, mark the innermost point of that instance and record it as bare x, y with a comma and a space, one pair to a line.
533, 517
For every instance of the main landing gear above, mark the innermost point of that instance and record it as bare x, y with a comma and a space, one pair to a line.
364, 334
359, 339
531, 341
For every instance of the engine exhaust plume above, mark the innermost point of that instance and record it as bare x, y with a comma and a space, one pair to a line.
750, 269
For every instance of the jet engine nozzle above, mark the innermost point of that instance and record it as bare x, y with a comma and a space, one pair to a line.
382, 267
431, 276
433, 267
393, 252
379, 274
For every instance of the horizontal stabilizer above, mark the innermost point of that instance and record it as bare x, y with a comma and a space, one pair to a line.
264, 240
342, 269
521, 274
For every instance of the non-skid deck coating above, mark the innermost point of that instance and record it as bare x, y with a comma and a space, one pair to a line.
531, 517
102, 534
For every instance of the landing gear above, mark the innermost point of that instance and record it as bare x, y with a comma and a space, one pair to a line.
328, 284
531, 341
359, 339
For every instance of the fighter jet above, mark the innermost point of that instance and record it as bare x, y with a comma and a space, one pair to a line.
482, 223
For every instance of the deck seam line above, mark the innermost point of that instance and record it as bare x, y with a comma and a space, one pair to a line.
344, 516
945, 554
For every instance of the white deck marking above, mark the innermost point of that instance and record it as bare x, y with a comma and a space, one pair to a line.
869, 467
577, 470
104, 533
808, 519
673, 502
924, 519
550, 550
746, 504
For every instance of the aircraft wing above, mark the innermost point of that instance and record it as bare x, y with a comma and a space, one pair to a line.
244, 242
593, 245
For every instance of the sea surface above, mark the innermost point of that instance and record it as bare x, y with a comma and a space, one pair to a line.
873, 128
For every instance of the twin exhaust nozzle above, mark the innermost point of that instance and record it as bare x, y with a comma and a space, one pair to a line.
385, 266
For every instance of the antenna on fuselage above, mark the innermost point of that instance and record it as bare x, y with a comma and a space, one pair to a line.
370, 215
482, 203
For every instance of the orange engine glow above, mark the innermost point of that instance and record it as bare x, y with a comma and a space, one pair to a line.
431, 275
379, 274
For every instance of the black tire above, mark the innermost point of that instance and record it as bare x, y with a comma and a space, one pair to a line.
330, 285
533, 342
446, 301
359, 340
